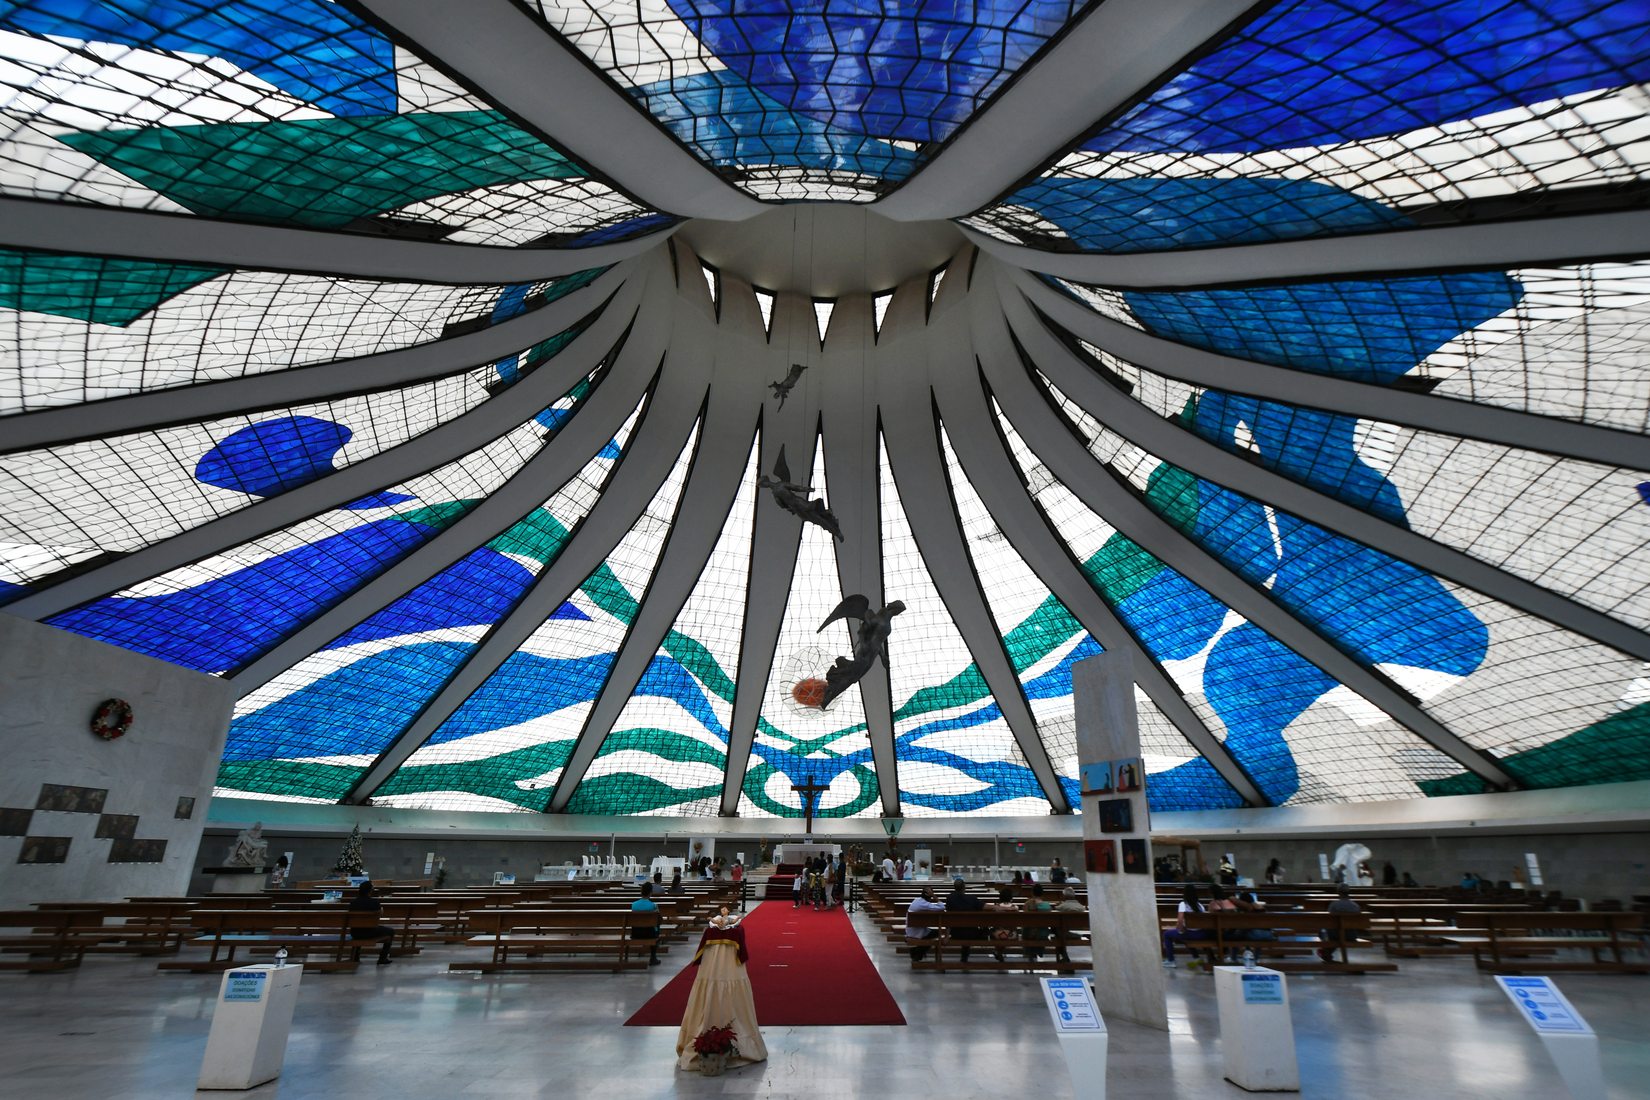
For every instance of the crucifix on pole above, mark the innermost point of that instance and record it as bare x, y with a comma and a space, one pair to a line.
810, 792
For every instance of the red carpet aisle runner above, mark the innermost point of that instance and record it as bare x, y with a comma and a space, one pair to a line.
780, 885
807, 969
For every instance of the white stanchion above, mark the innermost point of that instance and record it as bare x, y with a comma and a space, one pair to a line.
1257, 1032
1081, 1032
250, 1026
1567, 1037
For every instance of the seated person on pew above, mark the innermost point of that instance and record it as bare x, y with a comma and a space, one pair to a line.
1068, 904
646, 904
922, 903
1189, 903
1037, 904
364, 902
959, 900
1330, 936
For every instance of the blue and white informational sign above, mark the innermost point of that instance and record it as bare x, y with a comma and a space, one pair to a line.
246, 985
1262, 989
1544, 1006
1071, 1005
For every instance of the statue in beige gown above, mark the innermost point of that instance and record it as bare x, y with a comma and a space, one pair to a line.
721, 995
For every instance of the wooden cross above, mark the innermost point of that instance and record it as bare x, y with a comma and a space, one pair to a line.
810, 791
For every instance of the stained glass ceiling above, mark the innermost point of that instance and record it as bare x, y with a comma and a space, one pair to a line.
413, 368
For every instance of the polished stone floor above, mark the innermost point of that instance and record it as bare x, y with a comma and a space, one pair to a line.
1435, 1031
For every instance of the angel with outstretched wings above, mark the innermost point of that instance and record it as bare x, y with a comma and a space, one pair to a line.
794, 498
870, 642
782, 388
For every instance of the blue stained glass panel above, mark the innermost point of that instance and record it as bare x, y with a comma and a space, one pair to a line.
1316, 72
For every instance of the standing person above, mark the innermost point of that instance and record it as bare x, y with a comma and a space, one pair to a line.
646, 904
1056, 873
797, 882
839, 889
924, 902
1228, 871
365, 902
1275, 872
721, 995
1389, 874
1342, 904
737, 873
959, 900
889, 872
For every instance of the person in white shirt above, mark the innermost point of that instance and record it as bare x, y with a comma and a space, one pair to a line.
889, 874
922, 903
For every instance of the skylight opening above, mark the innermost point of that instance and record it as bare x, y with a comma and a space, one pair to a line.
823, 307
713, 280
879, 307
935, 278
764, 302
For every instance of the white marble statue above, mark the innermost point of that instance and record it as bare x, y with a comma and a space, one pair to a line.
1344, 867
250, 848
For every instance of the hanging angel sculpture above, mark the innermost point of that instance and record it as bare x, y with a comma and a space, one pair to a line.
794, 498
870, 642
782, 388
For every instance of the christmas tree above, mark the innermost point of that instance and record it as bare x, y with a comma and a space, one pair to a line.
350, 861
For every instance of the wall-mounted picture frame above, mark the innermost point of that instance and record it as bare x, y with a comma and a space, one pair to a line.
185, 810
14, 820
1100, 856
137, 851
61, 798
1116, 816
1095, 778
1131, 776
1136, 858
116, 826
44, 849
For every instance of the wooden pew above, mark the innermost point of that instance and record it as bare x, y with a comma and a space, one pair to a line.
1296, 934
145, 928
321, 934
1064, 931
1494, 937
49, 937
603, 934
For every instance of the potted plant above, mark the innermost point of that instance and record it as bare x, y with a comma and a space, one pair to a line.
715, 1045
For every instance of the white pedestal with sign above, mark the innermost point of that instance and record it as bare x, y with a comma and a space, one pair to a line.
1082, 1034
250, 1026
1257, 1034
1567, 1037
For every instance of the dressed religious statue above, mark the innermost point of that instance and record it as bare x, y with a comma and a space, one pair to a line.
721, 995
250, 848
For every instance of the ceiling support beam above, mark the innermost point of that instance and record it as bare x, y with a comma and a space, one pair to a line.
559, 461
701, 513
436, 447
912, 438
191, 239
648, 459
1479, 246
991, 470
1095, 484
298, 385
778, 533
1171, 443
1101, 63
516, 62
849, 397
1447, 415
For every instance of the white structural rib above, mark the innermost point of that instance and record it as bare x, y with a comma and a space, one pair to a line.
298, 385
1101, 63
912, 439
990, 469
1522, 242
648, 458
183, 238
516, 62
1174, 444
777, 534
558, 462
849, 399
441, 444
1093, 483
1508, 427
701, 513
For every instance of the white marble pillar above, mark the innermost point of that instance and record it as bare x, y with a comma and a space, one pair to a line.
1128, 970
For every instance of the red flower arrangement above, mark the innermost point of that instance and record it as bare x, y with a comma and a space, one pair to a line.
716, 1040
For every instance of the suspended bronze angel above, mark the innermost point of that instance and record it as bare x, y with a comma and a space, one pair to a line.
794, 498
870, 642
782, 388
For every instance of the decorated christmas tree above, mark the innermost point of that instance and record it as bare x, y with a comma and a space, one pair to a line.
350, 861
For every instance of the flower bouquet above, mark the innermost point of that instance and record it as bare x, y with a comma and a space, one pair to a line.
715, 1045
